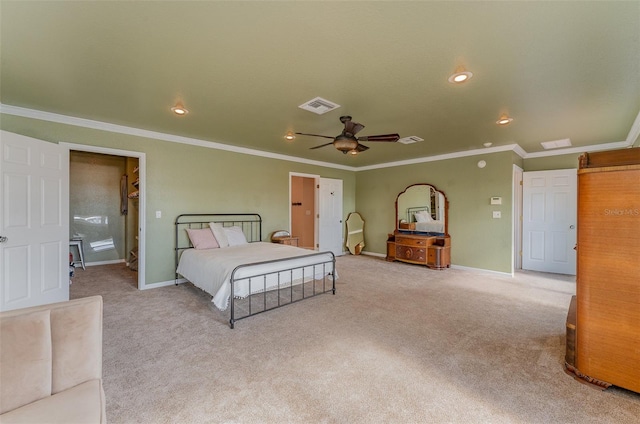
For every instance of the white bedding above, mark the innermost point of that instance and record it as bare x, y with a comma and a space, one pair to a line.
430, 227
210, 269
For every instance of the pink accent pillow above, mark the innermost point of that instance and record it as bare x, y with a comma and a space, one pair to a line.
202, 238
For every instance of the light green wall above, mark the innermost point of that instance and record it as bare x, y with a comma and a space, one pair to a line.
189, 179
478, 240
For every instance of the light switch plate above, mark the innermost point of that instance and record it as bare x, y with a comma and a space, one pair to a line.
496, 200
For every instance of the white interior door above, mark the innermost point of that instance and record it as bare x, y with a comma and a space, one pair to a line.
34, 224
330, 235
549, 221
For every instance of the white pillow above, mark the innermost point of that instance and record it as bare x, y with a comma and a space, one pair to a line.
235, 236
422, 216
219, 234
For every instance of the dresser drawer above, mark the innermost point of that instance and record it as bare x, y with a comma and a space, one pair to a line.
411, 253
411, 241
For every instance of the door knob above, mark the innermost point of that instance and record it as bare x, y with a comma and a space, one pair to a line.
571, 227
3, 239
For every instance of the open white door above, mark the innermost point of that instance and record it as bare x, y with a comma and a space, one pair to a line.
549, 221
330, 235
34, 223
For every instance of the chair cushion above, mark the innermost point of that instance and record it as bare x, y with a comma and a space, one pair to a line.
25, 359
81, 404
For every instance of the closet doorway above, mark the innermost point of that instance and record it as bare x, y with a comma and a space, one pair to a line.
302, 212
106, 205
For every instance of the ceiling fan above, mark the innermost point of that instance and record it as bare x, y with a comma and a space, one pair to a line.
347, 142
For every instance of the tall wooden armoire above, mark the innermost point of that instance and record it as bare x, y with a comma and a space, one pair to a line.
607, 301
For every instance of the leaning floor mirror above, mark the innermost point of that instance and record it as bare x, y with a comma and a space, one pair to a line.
355, 233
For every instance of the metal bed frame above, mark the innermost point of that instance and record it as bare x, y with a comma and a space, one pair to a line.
263, 301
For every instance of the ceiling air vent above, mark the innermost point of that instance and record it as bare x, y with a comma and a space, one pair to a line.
565, 142
410, 140
319, 105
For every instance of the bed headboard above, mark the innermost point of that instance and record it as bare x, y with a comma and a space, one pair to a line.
251, 224
414, 209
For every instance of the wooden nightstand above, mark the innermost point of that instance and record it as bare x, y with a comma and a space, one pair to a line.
407, 226
291, 241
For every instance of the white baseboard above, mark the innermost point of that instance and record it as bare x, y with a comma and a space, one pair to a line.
486, 271
466, 268
379, 255
163, 283
115, 261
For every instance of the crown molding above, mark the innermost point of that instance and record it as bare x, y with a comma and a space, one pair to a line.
121, 129
634, 133
475, 152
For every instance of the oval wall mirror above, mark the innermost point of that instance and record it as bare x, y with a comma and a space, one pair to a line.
422, 208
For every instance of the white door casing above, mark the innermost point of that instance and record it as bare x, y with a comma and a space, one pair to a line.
549, 221
330, 225
34, 258
517, 218
142, 176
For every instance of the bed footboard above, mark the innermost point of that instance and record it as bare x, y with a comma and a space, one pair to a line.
282, 286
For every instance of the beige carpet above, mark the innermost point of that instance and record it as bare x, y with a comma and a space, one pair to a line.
397, 344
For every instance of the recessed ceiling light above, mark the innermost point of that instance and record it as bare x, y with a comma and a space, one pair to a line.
565, 142
504, 119
488, 144
460, 75
289, 136
179, 109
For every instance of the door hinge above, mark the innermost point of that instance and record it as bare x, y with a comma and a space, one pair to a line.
520, 182
318, 186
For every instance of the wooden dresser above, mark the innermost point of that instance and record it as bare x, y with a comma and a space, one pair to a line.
607, 306
432, 251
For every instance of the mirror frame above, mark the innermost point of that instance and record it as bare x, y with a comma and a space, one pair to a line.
446, 205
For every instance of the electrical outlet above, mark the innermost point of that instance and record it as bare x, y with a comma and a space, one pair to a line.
158, 214
497, 214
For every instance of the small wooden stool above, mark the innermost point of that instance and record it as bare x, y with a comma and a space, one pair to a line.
78, 244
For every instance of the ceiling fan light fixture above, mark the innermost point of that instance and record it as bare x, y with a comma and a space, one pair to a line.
179, 109
289, 136
460, 75
504, 119
345, 144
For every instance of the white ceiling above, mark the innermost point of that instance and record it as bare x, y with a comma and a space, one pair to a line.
560, 69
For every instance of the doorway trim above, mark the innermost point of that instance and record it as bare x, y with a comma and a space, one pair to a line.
142, 174
517, 218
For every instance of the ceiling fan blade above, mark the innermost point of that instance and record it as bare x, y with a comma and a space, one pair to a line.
361, 148
316, 135
353, 127
322, 145
381, 137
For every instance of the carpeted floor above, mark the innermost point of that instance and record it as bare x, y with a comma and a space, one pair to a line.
397, 344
